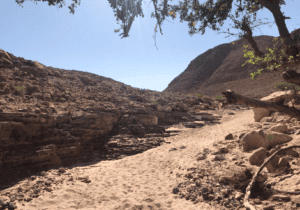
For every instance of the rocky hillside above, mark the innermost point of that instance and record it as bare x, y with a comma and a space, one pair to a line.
55, 117
214, 71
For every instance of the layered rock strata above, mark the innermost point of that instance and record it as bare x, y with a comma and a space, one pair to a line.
53, 117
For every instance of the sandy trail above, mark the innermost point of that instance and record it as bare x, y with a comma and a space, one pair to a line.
142, 181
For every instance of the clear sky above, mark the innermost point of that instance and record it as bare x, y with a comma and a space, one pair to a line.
86, 41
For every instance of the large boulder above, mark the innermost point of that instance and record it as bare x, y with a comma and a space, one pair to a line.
263, 138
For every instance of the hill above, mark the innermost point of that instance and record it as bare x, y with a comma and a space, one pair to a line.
220, 68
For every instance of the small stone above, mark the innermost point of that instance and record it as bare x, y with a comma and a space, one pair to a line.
211, 197
4, 200
175, 190
229, 137
198, 182
48, 182
11, 206
20, 196
40, 181
204, 190
269, 207
201, 157
219, 158
43, 173
281, 197
28, 199
239, 195
257, 201
13, 198
61, 170
205, 196
48, 189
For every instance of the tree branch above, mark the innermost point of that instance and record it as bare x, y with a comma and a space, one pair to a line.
233, 98
251, 184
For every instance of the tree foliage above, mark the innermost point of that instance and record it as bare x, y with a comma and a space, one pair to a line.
126, 11
61, 3
208, 14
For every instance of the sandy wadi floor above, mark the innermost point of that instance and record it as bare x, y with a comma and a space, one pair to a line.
142, 181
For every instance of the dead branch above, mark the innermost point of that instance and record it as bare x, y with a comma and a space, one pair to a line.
251, 184
233, 98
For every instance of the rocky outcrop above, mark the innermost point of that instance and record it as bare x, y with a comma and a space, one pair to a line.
53, 117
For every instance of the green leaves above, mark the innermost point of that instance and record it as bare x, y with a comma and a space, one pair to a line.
258, 60
270, 138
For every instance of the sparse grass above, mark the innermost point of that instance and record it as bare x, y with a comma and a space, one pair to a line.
19, 87
200, 95
156, 103
286, 86
203, 96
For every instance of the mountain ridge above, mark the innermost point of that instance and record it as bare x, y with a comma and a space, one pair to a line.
202, 77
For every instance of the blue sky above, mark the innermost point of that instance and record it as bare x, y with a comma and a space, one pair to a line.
86, 41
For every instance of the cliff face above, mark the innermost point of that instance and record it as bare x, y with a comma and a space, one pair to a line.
220, 65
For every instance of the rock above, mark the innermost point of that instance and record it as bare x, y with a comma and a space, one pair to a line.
29, 63
61, 170
272, 165
263, 138
6, 61
269, 207
38, 65
229, 137
4, 200
33, 70
281, 197
258, 156
162, 102
219, 158
291, 152
283, 162
48, 189
239, 195
4, 55
11, 206
84, 179
296, 200
16, 62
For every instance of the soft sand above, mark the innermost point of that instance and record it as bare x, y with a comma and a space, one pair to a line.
144, 179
